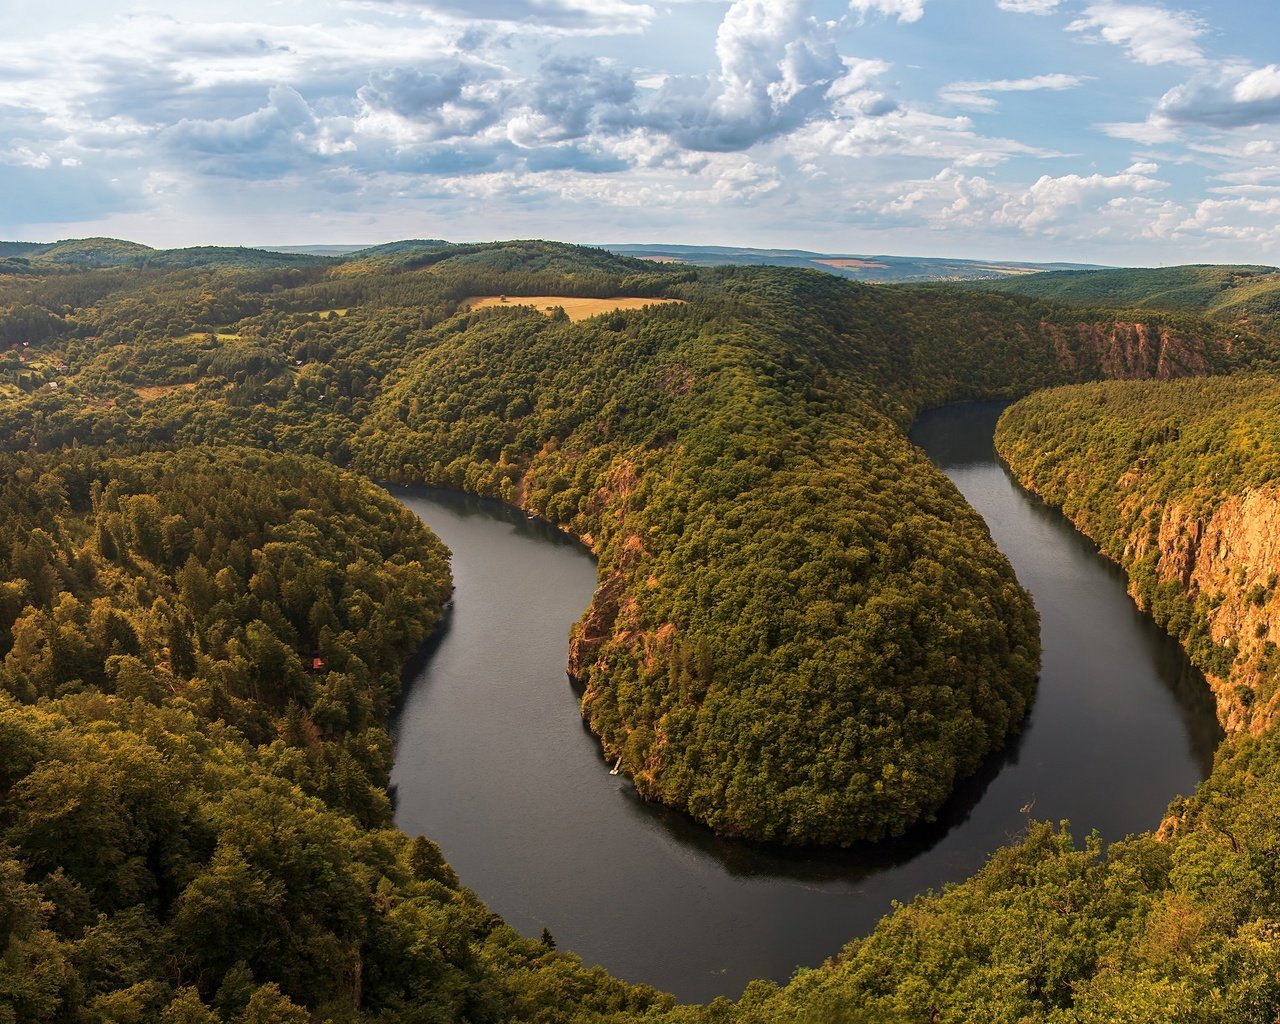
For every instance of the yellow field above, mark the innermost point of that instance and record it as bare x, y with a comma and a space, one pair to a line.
151, 393
201, 335
839, 262
578, 309
1010, 270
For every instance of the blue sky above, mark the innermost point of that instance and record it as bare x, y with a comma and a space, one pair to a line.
1088, 130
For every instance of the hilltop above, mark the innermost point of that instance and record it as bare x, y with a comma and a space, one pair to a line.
84, 253
1246, 293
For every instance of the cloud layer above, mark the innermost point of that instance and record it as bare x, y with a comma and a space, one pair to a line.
841, 124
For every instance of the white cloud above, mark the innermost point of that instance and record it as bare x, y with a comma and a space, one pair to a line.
1029, 6
777, 64
1258, 86
1052, 203
903, 10
23, 156
272, 138
1149, 133
1152, 35
1230, 97
974, 94
571, 99
902, 133
480, 118
1255, 221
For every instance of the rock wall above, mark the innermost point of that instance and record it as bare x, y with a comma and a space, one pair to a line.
1127, 351
1227, 558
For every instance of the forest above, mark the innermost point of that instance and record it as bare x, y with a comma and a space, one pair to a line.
801, 633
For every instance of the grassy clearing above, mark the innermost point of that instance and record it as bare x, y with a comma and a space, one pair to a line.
578, 309
201, 335
151, 393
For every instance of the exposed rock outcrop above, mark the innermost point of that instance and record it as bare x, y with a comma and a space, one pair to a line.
1227, 559
1127, 351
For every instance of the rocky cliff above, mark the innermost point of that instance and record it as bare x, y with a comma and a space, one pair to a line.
1225, 556
1122, 350
1179, 482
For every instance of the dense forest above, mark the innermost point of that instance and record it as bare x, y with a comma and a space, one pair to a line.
1242, 295
801, 632
1179, 484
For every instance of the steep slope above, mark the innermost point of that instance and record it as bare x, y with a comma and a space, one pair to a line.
1179, 484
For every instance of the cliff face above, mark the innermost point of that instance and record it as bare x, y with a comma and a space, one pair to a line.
1179, 482
1226, 560
1126, 351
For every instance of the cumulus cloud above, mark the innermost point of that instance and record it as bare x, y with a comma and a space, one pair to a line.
1230, 98
506, 110
776, 66
440, 98
975, 94
903, 10
1249, 219
1050, 211
1029, 6
273, 136
572, 98
1258, 86
1054, 202
24, 156
1152, 35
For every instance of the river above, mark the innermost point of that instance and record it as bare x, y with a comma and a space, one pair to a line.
494, 763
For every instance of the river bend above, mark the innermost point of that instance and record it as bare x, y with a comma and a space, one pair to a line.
494, 764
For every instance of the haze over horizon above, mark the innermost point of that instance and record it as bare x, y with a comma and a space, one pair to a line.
1035, 130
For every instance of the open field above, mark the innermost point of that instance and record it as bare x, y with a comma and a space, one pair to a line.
578, 309
152, 392
847, 263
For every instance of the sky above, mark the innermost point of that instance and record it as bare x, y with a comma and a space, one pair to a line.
1131, 134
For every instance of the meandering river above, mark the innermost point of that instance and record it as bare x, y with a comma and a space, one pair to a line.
494, 764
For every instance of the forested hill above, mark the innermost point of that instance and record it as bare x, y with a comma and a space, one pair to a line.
801, 632
77, 254
1243, 294
1178, 484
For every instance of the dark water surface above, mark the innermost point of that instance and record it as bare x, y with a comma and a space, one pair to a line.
494, 763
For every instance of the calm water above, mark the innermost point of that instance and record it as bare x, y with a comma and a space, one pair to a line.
494, 763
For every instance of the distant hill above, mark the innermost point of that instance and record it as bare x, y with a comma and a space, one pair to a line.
21, 249
90, 253
227, 256
531, 257
883, 269
1228, 292
318, 250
